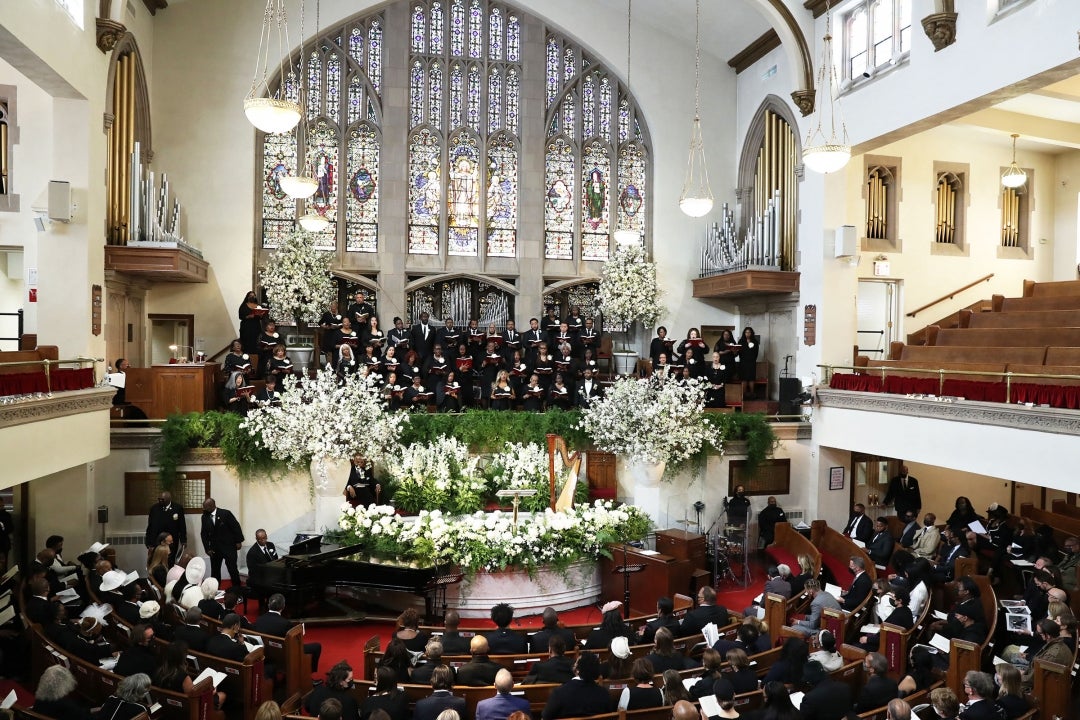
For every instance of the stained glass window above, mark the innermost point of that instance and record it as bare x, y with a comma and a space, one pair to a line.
559, 186
595, 205
631, 208
495, 35
416, 94
463, 196
495, 103
279, 210
502, 197
589, 114
341, 78
419, 29
362, 211
323, 151
435, 42
473, 113
513, 39
456, 95
513, 100
457, 29
476, 30
435, 95
425, 191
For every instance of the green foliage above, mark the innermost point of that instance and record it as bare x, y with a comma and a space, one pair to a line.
241, 450
489, 430
754, 428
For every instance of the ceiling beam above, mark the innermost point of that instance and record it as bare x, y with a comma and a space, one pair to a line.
1030, 127
755, 51
154, 5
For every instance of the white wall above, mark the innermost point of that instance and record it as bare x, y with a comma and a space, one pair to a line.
1065, 236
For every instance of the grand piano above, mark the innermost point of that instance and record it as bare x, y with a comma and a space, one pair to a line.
311, 567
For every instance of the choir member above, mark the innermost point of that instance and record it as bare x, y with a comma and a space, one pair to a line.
374, 337
532, 341
533, 394
448, 394
716, 374
417, 396
559, 395
399, 338
280, 367
436, 369
747, 360
360, 311
236, 358
448, 336
660, 345
393, 392
269, 338
463, 367
501, 392
250, 326
329, 322
544, 366
589, 338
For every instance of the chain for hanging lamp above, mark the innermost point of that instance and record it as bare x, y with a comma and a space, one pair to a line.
696, 198
1014, 176
302, 185
821, 153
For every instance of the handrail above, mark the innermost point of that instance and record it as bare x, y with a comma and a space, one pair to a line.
941, 372
949, 296
219, 353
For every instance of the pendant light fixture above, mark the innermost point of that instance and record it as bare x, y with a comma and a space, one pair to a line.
271, 112
696, 198
821, 153
301, 186
1014, 176
312, 221
627, 237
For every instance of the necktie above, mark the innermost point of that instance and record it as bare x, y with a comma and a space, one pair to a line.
266, 549
213, 519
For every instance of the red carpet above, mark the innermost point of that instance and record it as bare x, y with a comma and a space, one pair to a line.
346, 642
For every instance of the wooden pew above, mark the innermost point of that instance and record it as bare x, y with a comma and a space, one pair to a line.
988, 372
537, 695
1021, 319
1063, 525
1053, 689
1000, 303
1058, 288
992, 337
1062, 356
788, 544
952, 355
284, 653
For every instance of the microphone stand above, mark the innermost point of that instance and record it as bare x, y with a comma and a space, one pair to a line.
626, 569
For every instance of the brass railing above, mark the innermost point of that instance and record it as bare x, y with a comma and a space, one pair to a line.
949, 296
941, 373
47, 365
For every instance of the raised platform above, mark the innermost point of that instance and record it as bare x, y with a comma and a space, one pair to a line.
161, 264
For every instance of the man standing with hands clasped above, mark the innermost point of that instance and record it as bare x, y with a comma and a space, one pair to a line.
166, 516
221, 538
904, 493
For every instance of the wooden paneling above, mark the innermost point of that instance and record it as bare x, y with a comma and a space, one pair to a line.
158, 264
162, 390
662, 575
747, 283
141, 491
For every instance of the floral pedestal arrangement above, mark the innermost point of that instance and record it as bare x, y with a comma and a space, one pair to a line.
328, 479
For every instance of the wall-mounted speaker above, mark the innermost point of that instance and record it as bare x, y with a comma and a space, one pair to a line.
60, 200
846, 242
103, 514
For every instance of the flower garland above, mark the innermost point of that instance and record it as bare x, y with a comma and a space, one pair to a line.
488, 541
325, 418
651, 420
628, 289
297, 280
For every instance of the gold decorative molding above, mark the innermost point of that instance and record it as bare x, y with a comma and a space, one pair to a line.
755, 51
61, 404
109, 33
941, 29
804, 100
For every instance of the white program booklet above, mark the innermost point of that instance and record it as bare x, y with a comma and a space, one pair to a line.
215, 676
833, 590
940, 642
977, 527
796, 699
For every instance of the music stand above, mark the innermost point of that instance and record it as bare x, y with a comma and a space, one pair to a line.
516, 495
627, 569
436, 591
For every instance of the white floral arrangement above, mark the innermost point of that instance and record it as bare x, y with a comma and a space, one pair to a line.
441, 475
488, 541
297, 280
325, 418
651, 420
525, 467
628, 289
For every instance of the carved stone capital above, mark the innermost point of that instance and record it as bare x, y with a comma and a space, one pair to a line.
804, 100
941, 29
109, 33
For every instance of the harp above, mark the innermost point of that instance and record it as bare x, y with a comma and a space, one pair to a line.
572, 461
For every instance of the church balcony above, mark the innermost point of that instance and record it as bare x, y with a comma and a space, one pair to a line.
158, 261
1023, 443
746, 283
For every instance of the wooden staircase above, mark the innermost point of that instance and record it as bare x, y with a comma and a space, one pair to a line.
949, 321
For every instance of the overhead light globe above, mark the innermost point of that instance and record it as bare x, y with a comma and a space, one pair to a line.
1013, 177
695, 206
272, 115
298, 187
314, 222
827, 158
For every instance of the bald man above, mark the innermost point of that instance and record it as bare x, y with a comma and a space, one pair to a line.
503, 704
480, 670
685, 710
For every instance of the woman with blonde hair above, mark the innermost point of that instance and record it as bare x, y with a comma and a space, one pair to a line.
269, 710
1010, 700
806, 571
158, 568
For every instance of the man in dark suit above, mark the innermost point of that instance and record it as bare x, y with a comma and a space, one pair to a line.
879, 688
665, 617
903, 493
587, 389
505, 641
480, 670
221, 538
767, 519
827, 699
272, 623
425, 667
129, 608
262, 552
360, 311
880, 547
580, 696
399, 338
911, 529
165, 516
538, 641
951, 549
423, 337
557, 668
191, 632
227, 644
37, 605
503, 703
442, 682
858, 525
452, 641
449, 337
139, 657
706, 612
860, 586
979, 688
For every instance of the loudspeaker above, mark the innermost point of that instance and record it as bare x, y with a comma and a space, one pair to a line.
790, 388
103, 514
60, 200
846, 243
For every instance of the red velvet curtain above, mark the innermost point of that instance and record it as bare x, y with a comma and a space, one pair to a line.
861, 383
34, 382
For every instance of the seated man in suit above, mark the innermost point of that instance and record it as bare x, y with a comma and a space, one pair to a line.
580, 696
191, 632
858, 525
827, 698
505, 641
665, 617
557, 668
979, 688
879, 688
139, 657
706, 612
272, 623
228, 643
479, 670
37, 605
880, 547
952, 547
819, 600
860, 586
452, 641
433, 652
911, 529
442, 682
503, 703
539, 641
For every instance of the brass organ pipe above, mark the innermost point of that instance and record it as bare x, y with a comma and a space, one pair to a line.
950, 214
941, 211
4, 154
1016, 218
120, 133
111, 193
129, 142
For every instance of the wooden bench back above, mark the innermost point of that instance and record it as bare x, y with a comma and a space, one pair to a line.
951, 355
1047, 370
1000, 303
1022, 319
1058, 288
284, 653
1063, 525
1052, 689
43, 352
990, 337
1057, 355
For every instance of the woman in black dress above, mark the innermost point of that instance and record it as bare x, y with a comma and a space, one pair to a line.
250, 326
448, 394
501, 392
237, 394
236, 358
728, 348
280, 367
747, 360
660, 345
409, 631
330, 322
1010, 699
131, 699
386, 696
643, 694
53, 696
